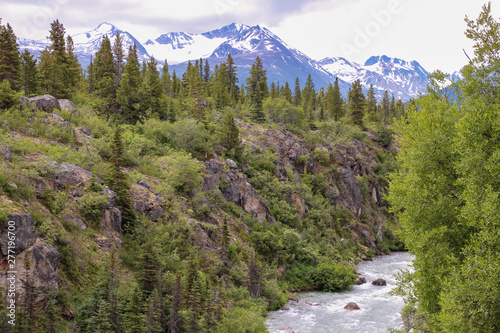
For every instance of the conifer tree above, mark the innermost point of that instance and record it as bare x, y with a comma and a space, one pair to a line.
229, 136
309, 95
392, 107
297, 98
336, 102
119, 56
232, 80
174, 323
273, 94
254, 277
57, 69
29, 74
148, 265
130, 92
153, 86
119, 183
371, 101
134, 318
286, 93
154, 314
384, 106
10, 63
165, 79
257, 89
206, 71
74, 70
103, 77
219, 87
356, 103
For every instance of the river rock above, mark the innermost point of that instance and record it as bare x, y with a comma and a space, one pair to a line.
360, 280
288, 330
352, 306
379, 282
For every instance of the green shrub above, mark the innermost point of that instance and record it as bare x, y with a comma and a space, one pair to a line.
180, 172
91, 206
334, 277
383, 136
322, 156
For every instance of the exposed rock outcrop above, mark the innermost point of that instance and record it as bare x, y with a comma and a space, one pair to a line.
44, 103
5, 152
235, 188
22, 228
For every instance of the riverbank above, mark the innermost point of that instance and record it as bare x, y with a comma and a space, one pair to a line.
378, 310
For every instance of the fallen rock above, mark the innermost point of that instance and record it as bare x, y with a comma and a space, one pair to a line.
23, 227
352, 306
6, 152
144, 183
44, 103
71, 174
55, 116
379, 282
66, 104
231, 164
360, 280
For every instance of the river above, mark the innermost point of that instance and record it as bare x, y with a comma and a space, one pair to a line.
378, 310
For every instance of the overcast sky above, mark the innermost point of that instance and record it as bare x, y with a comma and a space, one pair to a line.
429, 31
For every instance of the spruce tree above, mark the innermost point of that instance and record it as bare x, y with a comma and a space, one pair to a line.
57, 69
119, 183
165, 79
286, 93
103, 77
371, 101
10, 63
297, 98
153, 86
73, 68
384, 106
174, 323
356, 103
232, 80
134, 318
257, 89
119, 56
336, 102
130, 92
229, 136
29, 74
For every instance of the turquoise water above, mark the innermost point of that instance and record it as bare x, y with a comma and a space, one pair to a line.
378, 310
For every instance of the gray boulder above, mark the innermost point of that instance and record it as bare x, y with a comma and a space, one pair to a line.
6, 152
44, 103
72, 174
360, 280
23, 229
66, 104
352, 306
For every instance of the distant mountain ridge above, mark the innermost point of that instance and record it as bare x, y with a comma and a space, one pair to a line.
404, 79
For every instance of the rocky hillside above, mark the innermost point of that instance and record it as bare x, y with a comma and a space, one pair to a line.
294, 200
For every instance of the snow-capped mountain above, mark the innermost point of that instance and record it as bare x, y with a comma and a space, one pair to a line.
88, 43
404, 79
283, 62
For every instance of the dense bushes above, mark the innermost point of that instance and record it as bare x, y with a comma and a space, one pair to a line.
334, 277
